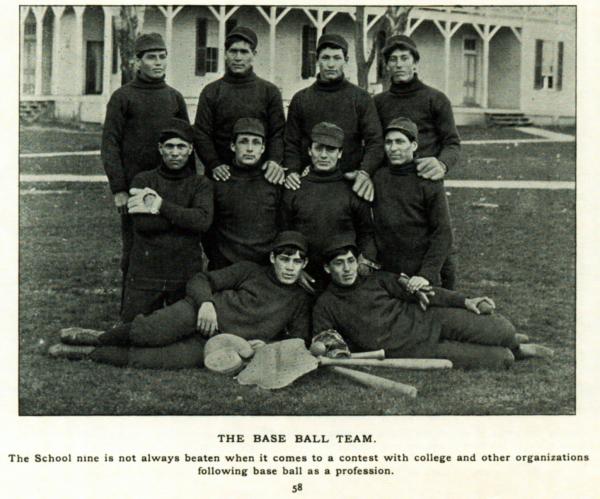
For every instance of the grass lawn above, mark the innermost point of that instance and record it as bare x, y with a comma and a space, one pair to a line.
521, 253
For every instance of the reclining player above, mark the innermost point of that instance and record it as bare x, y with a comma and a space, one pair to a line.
377, 312
244, 299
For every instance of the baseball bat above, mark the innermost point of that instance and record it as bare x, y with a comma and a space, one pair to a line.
376, 382
375, 354
420, 364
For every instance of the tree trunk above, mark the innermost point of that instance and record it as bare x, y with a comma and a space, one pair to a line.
363, 64
126, 29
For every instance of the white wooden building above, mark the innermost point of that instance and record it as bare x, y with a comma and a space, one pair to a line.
484, 58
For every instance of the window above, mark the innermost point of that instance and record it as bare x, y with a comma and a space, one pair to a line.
548, 65
470, 44
94, 59
207, 58
309, 51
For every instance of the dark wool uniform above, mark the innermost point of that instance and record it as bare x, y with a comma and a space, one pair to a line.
376, 312
222, 103
166, 249
345, 105
432, 112
246, 218
413, 231
135, 115
250, 303
322, 207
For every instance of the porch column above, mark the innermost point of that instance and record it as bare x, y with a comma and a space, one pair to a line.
272, 19
39, 40
24, 11
222, 15
55, 76
78, 50
487, 33
169, 12
319, 22
108, 49
448, 31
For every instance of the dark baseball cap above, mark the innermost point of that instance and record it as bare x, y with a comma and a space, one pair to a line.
404, 125
338, 243
328, 134
290, 238
147, 42
335, 40
243, 33
400, 42
252, 126
177, 128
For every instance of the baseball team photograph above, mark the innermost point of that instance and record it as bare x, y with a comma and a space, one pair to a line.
297, 211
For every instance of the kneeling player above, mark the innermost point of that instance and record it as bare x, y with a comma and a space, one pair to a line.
377, 312
244, 299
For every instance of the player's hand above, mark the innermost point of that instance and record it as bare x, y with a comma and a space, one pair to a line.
366, 266
363, 185
480, 305
306, 282
207, 323
292, 181
416, 283
274, 173
146, 201
430, 168
221, 173
120, 199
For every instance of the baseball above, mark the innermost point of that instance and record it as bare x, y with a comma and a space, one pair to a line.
485, 307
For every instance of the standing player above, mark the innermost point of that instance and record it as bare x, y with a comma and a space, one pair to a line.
239, 94
430, 109
135, 115
333, 99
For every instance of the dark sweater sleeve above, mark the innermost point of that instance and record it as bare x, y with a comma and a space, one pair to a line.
201, 287
440, 235
276, 126
182, 112
293, 136
372, 135
446, 298
299, 325
199, 216
322, 318
143, 222
112, 135
286, 212
447, 132
363, 226
203, 131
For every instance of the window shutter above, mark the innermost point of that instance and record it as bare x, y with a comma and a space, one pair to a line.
559, 65
200, 46
537, 78
305, 51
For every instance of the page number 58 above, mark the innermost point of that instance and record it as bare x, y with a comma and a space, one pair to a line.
296, 488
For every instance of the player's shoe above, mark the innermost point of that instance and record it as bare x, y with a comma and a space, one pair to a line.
80, 336
521, 338
71, 352
531, 350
